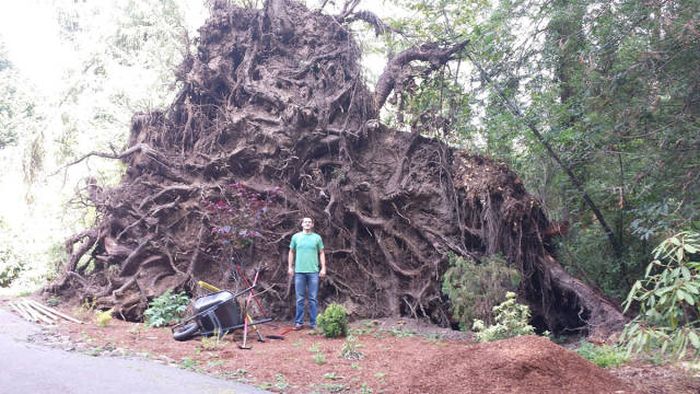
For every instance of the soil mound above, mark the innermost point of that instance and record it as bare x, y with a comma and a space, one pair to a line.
516, 365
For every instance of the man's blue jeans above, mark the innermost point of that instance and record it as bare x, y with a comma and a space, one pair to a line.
306, 286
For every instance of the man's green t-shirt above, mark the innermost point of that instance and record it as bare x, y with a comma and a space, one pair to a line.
306, 248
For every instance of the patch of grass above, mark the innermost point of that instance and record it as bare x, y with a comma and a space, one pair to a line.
188, 363
331, 376
604, 356
355, 366
211, 343
379, 375
365, 389
280, 382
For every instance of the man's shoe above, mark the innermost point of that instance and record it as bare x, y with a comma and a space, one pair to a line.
298, 327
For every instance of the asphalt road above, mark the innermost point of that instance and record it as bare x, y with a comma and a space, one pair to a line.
27, 368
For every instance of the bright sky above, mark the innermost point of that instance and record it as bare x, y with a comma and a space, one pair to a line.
29, 30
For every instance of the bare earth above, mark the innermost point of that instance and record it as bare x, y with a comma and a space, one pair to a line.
398, 356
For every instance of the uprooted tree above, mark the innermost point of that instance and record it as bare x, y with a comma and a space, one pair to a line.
273, 123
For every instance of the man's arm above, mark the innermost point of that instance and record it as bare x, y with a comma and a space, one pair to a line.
322, 259
290, 262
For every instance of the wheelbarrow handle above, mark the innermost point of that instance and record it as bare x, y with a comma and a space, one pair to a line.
213, 288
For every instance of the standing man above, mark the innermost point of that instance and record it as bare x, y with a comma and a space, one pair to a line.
305, 252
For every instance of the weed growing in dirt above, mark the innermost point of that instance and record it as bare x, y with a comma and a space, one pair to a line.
512, 320
319, 358
280, 383
365, 389
355, 366
603, 356
211, 343
188, 363
166, 309
314, 348
333, 322
351, 349
379, 375
331, 376
103, 318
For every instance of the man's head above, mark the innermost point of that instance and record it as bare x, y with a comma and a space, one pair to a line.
307, 224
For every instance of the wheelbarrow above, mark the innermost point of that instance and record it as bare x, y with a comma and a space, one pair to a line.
217, 313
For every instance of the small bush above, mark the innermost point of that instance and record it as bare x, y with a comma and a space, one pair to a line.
166, 309
603, 356
333, 322
512, 320
103, 317
473, 289
10, 268
669, 300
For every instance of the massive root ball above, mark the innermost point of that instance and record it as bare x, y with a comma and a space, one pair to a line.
273, 123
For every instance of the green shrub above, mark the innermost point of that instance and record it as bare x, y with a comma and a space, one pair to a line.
669, 300
512, 320
473, 289
103, 318
603, 356
166, 309
333, 322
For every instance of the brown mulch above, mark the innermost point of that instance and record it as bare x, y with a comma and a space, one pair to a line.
398, 356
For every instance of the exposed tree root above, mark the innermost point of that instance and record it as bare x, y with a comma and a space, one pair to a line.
273, 110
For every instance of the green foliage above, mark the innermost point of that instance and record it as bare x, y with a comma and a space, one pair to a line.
512, 320
319, 358
11, 264
333, 322
473, 289
10, 268
103, 318
351, 349
166, 309
604, 356
668, 298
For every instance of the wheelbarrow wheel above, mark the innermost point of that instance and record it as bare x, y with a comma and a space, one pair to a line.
186, 332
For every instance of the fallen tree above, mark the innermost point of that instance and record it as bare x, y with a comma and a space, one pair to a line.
274, 122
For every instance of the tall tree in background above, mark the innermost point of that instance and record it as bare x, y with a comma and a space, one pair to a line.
613, 89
